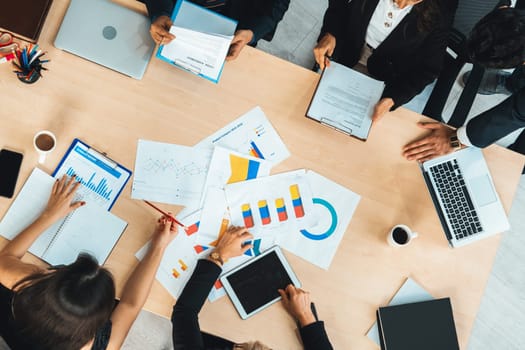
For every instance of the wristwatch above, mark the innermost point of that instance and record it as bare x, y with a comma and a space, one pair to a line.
454, 142
215, 256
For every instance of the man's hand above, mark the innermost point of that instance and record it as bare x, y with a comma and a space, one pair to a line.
437, 143
297, 302
324, 49
160, 30
382, 107
240, 40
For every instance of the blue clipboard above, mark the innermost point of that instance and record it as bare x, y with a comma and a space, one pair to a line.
192, 16
102, 178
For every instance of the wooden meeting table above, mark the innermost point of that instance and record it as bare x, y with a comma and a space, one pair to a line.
111, 112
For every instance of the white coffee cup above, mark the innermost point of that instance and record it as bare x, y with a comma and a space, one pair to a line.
44, 143
400, 235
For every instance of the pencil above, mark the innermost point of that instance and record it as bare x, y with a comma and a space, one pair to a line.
165, 214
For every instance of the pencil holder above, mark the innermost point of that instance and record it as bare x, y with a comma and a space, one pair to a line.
29, 64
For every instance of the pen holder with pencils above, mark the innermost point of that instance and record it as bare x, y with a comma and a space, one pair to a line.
28, 64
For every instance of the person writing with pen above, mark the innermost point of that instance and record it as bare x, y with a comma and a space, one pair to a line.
257, 19
186, 330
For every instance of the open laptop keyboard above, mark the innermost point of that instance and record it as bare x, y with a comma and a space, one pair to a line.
455, 198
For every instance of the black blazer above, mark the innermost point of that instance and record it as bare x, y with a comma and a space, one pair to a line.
260, 16
185, 319
407, 60
499, 121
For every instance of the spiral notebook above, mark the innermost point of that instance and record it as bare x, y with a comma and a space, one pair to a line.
89, 229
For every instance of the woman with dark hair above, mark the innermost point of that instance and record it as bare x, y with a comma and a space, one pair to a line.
73, 306
401, 42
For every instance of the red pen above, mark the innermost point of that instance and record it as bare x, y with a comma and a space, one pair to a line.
165, 214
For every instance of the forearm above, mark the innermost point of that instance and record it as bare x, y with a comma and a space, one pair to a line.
264, 24
314, 337
20, 244
334, 18
138, 286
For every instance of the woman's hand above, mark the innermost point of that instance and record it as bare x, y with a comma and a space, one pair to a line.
382, 107
160, 30
232, 242
297, 302
60, 201
324, 50
165, 232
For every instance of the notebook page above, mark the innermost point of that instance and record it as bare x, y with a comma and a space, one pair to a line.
91, 229
27, 207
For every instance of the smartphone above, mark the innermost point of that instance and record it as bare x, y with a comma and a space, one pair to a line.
9, 168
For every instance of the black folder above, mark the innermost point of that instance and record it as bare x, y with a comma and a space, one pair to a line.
427, 325
24, 18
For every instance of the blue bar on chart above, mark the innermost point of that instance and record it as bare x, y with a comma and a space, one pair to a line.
101, 188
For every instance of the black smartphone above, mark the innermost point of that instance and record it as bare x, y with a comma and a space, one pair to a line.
9, 168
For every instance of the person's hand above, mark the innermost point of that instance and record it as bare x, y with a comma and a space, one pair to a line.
324, 49
297, 302
61, 197
231, 243
165, 232
160, 30
381, 108
240, 40
435, 144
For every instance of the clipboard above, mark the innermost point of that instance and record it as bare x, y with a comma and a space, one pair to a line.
191, 16
102, 178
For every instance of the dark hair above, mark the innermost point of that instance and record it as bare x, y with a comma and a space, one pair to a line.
498, 39
429, 14
64, 308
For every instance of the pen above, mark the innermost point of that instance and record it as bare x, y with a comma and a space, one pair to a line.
314, 311
165, 214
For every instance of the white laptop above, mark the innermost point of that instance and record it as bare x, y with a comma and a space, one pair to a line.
108, 34
464, 196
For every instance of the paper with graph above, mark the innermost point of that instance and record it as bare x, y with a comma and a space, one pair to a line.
170, 173
251, 134
226, 167
273, 205
334, 206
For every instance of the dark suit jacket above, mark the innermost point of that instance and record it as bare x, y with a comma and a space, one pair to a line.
501, 120
185, 320
407, 60
260, 16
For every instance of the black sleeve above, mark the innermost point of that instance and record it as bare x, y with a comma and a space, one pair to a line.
157, 8
185, 316
432, 53
266, 22
314, 337
335, 18
497, 122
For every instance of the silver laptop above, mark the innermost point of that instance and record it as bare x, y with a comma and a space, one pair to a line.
108, 34
464, 195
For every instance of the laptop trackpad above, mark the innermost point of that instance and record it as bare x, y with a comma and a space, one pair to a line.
481, 189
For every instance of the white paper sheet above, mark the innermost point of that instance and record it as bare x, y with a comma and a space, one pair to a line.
251, 134
170, 173
345, 100
270, 207
334, 206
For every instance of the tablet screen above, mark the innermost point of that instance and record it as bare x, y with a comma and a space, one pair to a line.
256, 284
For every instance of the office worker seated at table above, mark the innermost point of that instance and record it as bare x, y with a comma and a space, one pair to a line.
70, 307
186, 330
257, 19
496, 41
401, 42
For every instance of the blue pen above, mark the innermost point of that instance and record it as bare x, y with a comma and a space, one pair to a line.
24, 57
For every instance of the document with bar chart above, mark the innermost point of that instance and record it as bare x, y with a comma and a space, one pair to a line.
102, 178
273, 205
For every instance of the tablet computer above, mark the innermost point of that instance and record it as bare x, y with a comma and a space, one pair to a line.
253, 285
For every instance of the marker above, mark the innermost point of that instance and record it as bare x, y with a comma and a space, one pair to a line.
165, 214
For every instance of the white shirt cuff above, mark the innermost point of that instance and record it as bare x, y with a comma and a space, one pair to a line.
462, 136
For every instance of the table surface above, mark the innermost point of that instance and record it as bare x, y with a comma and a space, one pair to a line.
111, 112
